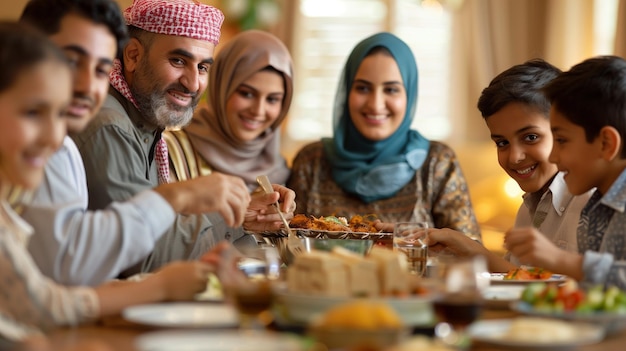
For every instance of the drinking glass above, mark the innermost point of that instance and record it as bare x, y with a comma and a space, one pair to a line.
460, 301
408, 240
251, 287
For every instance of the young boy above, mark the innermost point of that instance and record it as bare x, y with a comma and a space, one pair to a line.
516, 113
588, 122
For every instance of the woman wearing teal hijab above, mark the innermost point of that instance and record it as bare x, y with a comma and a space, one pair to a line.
375, 163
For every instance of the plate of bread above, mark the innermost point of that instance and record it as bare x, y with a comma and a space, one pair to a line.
319, 280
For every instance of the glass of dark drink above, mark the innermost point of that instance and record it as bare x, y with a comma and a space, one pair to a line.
460, 300
251, 287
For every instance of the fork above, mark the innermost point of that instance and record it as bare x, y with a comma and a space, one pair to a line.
294, 245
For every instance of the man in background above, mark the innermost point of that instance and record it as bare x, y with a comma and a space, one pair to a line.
72, 244
156, 84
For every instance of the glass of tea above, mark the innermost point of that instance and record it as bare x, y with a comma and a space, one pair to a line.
408, 240
460, 301
251, 287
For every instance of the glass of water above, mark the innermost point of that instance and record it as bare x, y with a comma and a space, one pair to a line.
408, 239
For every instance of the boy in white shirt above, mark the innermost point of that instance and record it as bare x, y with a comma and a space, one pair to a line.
516, 112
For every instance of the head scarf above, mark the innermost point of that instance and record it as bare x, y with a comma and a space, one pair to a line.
374, 170
185, 18
209, 132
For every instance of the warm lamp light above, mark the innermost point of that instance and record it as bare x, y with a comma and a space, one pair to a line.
512, 189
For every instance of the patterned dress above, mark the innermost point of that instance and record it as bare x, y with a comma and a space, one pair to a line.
438, 194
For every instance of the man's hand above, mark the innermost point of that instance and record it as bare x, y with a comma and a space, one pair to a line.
217, 192
261, 214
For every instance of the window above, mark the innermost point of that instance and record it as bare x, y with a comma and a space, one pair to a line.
326, 32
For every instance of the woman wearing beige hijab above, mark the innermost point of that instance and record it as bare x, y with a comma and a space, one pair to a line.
249, 94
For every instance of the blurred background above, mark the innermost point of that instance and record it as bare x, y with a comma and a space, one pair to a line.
459, 46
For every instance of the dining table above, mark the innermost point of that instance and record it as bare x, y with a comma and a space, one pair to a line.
121, 335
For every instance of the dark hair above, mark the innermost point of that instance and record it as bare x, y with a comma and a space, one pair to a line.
22, 47
145, 38
47, 15
592, 94
521, 83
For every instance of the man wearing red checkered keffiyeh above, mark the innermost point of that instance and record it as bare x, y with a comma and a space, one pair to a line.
156, 84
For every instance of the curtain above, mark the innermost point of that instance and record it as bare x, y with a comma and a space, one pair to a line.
490, 36
620, 30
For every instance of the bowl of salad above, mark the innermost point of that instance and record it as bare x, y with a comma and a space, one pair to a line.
594, 304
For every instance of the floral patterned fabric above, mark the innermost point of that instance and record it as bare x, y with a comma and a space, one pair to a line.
438, 194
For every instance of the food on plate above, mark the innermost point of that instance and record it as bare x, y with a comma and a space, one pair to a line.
363, 224
392, 274
359, 325
318, 273
570, 297
336, 224
528, 273
360, 314
362, 273
540, 330
213, 289
343, 273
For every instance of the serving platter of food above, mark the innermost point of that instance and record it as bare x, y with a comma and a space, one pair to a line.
320, 280
332, 227
303, 309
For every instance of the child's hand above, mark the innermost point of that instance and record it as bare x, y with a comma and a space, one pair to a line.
182, 280
532, 248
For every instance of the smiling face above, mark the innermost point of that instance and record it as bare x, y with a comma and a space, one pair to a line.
90, 48
255, 104
32, 121
377, 100
581, 161
169, 77
523, 139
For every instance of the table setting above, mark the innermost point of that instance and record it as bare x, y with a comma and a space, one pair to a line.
261, 307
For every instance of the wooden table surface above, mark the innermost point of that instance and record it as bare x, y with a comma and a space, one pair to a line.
120, 335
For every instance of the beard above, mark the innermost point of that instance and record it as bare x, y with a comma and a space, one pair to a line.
152, 101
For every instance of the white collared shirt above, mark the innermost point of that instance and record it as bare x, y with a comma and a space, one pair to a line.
562, 218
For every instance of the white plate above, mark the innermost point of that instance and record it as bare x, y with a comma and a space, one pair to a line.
195, 340
501, 296
498, 278
494, 332
301, 309
183, 315
612, 322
